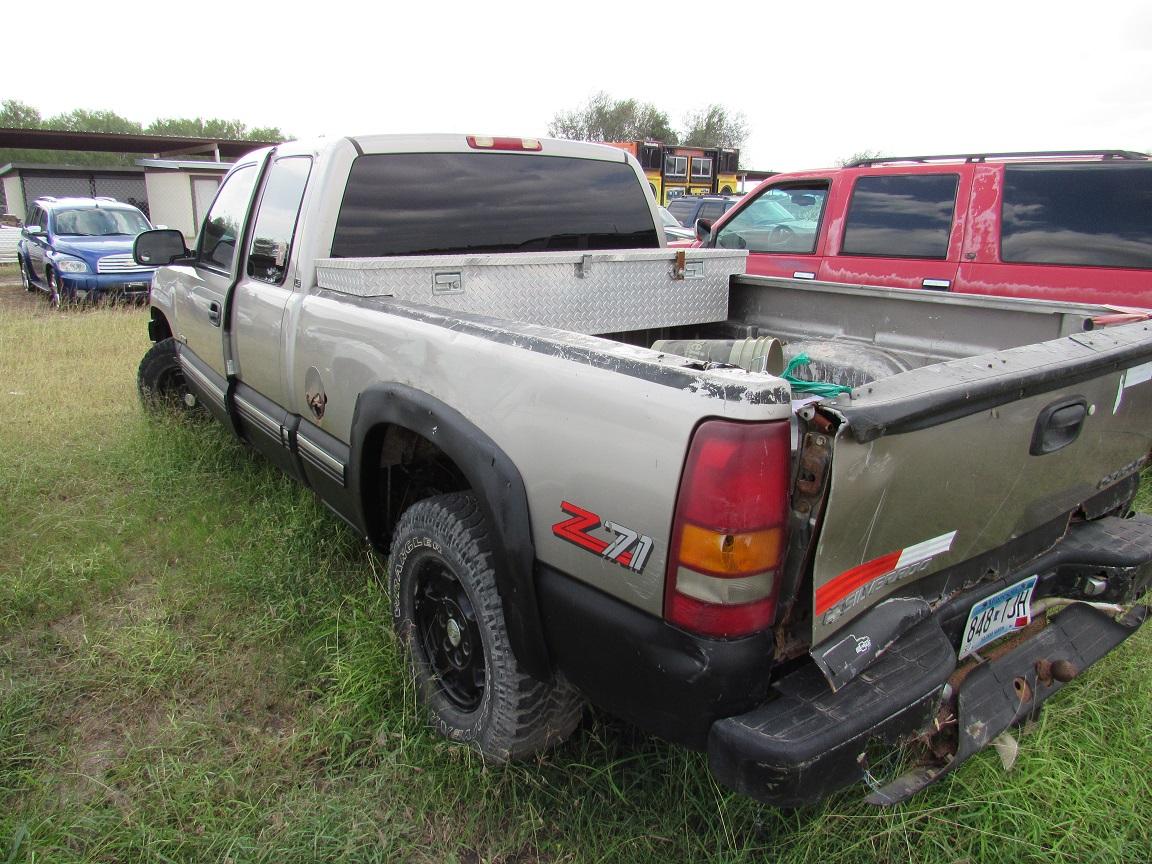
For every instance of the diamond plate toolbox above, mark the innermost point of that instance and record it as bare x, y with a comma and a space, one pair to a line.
584, 292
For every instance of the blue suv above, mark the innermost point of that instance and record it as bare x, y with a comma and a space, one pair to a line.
81, 249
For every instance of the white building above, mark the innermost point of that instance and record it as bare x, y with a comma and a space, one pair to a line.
172, 192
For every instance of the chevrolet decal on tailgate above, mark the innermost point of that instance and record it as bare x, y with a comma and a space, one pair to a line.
836, 596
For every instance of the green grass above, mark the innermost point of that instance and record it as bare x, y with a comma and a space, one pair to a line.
195, 665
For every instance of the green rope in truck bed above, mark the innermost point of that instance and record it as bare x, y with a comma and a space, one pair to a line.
816, 388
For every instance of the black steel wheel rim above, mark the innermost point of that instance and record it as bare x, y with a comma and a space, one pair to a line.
170, 386
449, 634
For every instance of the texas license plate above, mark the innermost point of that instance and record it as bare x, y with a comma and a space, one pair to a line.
135, 286
998, 615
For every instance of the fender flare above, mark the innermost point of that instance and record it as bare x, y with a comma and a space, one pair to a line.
493, 477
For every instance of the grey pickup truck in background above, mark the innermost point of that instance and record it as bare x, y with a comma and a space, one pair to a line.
594, 481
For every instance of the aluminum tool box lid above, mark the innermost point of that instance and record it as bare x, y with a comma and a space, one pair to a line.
585, 292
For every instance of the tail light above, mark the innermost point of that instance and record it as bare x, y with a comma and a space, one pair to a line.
730, 529
477, 142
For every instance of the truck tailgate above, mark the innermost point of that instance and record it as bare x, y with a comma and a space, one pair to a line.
978, 460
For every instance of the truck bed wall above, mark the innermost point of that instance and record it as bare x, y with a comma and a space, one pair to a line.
918, 327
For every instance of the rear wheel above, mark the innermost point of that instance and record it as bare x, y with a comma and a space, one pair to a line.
160, 379
448, 613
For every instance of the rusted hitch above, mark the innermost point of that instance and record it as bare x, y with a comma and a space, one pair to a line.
1048, 671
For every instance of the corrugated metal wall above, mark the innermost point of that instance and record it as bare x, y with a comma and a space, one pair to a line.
128, 188
9, 237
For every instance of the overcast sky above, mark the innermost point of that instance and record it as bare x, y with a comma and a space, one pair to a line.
816, 82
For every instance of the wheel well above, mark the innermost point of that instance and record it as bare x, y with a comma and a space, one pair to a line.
407, 444
410, 469
158, 326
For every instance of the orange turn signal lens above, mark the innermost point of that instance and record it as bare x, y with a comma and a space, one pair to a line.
729, 555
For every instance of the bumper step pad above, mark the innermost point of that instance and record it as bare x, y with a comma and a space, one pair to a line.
805, 744
1005, 692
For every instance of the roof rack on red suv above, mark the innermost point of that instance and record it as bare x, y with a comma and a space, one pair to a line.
998, 157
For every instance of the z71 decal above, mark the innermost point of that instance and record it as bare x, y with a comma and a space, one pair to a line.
627, 548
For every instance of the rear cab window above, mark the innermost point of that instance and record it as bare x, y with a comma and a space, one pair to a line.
452, 203
901, 216
1094, 215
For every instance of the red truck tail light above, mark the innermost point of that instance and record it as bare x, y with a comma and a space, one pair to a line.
730, 529
479, 142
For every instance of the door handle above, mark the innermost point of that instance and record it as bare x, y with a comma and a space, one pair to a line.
214, 314
936, 284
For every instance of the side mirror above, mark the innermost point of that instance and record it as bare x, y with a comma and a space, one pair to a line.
703, 230
33, 230
159, 247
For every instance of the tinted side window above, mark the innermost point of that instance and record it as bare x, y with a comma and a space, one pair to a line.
901, 216
1090, 215
446, 203
684, 211
276, 219
226, 219
711, 210
779, 219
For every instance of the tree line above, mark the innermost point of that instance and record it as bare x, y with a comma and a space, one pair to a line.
18, 115
603, 118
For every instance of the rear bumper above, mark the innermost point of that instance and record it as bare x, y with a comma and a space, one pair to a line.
808, 741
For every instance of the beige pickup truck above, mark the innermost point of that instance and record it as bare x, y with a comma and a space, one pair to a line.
594, 480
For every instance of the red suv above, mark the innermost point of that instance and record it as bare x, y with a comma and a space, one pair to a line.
1053, 226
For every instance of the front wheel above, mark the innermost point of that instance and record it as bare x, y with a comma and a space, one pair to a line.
160, 379
56, 296
25, 277
448, 614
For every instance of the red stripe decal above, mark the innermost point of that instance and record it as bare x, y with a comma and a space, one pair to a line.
574, 530
835, 590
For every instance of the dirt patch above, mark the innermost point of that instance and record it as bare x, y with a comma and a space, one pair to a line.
101, 740
111, 716
14, 298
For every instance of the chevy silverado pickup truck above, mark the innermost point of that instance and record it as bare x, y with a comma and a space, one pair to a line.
911, 538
